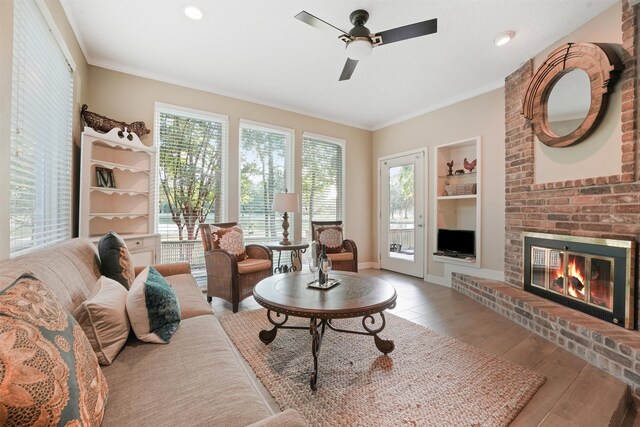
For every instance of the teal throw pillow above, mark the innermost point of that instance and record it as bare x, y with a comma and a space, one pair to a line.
153, 307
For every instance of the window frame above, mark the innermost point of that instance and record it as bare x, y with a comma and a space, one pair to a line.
161, 107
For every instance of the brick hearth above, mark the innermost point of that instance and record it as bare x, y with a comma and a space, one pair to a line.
609, 347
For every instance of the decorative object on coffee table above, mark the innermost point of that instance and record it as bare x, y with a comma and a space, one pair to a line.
356, 297
286, 202
105, 124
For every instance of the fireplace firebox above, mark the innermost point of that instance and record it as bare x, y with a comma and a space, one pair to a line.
595, 276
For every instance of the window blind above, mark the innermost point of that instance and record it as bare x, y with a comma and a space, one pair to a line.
191, 170
266, 167
41, 141
322, 182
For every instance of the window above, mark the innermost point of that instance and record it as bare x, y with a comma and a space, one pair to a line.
322, 181
266, 167
191, 171
41, 141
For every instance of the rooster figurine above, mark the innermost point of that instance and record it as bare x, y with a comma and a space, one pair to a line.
470, 166
450, 165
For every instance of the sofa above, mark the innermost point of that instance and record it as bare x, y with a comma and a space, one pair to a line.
197, 379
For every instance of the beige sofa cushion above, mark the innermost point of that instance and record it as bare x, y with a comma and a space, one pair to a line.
103, 318
192, 300
196, 380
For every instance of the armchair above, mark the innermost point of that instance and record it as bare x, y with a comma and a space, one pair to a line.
228, 278
347, 259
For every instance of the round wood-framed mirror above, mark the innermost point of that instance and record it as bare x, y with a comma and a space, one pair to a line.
562, 71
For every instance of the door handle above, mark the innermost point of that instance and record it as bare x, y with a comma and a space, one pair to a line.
420, 225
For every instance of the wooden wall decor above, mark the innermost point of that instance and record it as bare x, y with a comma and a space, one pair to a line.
602, 65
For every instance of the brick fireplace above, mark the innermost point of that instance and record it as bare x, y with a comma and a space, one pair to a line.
603, 207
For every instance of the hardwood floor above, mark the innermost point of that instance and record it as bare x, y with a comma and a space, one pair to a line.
575, 393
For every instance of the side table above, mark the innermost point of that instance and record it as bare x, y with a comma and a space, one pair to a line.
296, 248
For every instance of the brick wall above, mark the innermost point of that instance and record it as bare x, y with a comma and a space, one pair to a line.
606, 206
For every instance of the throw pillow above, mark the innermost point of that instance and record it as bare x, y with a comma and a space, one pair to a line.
115, 259
230, 239
103, 318
331, 237
49, 374
153, 307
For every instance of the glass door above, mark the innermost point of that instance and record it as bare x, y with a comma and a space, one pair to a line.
402, 219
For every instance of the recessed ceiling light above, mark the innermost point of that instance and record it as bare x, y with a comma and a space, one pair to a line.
193, 12
504, 38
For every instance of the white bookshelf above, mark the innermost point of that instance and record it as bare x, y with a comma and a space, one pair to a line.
129, 207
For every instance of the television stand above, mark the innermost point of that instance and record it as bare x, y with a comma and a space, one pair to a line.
456, 256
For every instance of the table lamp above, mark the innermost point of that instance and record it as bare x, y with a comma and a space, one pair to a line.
285, 202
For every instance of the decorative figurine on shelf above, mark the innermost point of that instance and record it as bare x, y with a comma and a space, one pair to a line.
105, 124
450, 166
470, 166
460, 172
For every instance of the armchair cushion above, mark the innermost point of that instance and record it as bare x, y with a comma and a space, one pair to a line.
342, 256
331, 237
230, 239
251, 265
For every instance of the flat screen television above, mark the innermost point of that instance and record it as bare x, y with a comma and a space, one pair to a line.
456, 243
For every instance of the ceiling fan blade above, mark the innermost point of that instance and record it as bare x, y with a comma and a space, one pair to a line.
349, 66
321, 25
407, 32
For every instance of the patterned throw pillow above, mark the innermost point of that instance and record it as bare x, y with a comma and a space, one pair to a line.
331, 237
103, 318
231, 240
49, 374
115, 259
153, 307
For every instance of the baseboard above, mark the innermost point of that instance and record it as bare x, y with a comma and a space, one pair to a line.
438, 280
484, 273
366, 265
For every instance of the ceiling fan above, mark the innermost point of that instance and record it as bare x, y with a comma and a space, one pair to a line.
360, 41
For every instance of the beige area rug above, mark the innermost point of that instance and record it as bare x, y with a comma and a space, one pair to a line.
429, 379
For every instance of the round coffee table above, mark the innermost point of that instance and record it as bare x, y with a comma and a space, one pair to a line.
355, 296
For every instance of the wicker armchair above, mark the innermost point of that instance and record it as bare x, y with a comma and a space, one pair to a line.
229, 279
347, 260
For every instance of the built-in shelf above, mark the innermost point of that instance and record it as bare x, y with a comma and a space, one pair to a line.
118, 191
458, 195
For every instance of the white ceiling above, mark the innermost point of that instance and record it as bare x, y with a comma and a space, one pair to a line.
255, 50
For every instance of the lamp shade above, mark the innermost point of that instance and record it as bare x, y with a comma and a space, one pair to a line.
286, 202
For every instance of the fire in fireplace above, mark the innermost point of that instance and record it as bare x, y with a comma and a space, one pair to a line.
595, 276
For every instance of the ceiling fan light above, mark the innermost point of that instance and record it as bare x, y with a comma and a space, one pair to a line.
359, 49
504, 38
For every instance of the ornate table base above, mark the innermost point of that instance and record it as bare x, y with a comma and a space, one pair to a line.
316, 329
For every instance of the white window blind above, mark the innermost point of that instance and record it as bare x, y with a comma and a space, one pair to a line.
322, 181
41, 141
266, 167
191, 171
